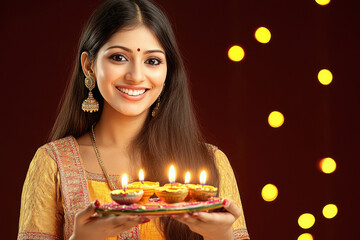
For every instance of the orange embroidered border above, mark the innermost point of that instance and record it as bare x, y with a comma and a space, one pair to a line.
36, 236
241, 234
130, 235
73, 183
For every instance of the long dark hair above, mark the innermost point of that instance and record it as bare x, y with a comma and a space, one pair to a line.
172, 136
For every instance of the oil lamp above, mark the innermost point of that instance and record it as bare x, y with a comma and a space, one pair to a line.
202, 192
124, 195
172, 192
147, 186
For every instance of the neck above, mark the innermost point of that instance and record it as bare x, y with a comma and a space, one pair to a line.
116, 130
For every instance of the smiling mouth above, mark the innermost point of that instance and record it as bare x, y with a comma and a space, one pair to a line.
132, 92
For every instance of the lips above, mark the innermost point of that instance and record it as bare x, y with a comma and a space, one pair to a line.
132, 92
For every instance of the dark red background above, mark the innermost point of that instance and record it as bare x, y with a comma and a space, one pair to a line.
233, 100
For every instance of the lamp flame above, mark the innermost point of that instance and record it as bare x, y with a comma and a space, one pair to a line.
141, 176
124, 182
172, 174
187, 178
203, 178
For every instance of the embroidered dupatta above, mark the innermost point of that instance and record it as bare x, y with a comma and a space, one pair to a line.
70, 183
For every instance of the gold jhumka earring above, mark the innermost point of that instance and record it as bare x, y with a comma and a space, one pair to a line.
90, 104
156, 108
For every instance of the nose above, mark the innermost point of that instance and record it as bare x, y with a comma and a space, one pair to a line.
135, 73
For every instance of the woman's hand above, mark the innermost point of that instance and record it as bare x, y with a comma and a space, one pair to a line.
90, 226
212, 225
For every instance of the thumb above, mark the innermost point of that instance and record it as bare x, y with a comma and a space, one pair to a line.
88, 211
232, 208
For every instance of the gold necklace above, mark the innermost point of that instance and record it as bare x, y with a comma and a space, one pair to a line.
110, 182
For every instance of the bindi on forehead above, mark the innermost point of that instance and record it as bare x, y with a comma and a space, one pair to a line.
138, 49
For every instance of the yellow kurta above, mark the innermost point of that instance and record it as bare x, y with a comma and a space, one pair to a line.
44, 200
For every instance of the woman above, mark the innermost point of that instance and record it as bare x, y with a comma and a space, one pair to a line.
136, 114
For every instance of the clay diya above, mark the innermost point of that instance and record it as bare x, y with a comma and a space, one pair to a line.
202, 192
126, 196
173, 192
147, 186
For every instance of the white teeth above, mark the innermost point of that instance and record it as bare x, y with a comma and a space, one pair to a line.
132, 92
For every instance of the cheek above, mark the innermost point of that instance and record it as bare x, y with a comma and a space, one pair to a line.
100, 72
160, 75
106, 73
104, 76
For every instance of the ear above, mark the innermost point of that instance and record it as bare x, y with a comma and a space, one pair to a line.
86, 64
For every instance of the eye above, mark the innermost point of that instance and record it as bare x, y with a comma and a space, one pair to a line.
118, 57
153, 61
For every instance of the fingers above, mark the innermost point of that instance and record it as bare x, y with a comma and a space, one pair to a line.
86, 213
129, 221
197, 218
186, 218
122, 223
210, 225
88, 224
213, 217
207, 217
232, 208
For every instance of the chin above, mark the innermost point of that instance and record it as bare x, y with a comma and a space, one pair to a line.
132, 113
127, 110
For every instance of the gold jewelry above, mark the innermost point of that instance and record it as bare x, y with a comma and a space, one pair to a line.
110, 182
156, 108
90, 104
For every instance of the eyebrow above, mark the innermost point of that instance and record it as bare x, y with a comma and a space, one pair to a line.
129, 50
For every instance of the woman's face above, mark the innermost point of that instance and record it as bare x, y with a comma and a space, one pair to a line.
130, 71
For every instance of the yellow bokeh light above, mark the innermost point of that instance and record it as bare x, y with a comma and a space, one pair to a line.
325, 77
236, 53
327, 165
322, 2
276, 119
263, 35
306, 220
269, 192
305, 236
330, 211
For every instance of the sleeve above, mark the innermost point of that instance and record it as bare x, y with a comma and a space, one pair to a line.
228, 189
41, 212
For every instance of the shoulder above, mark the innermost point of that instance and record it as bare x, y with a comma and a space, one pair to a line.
211, 147
60, 145
45, 160
219, 155
49, 155
222, 163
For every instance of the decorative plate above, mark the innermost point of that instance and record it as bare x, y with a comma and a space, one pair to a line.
157, 207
